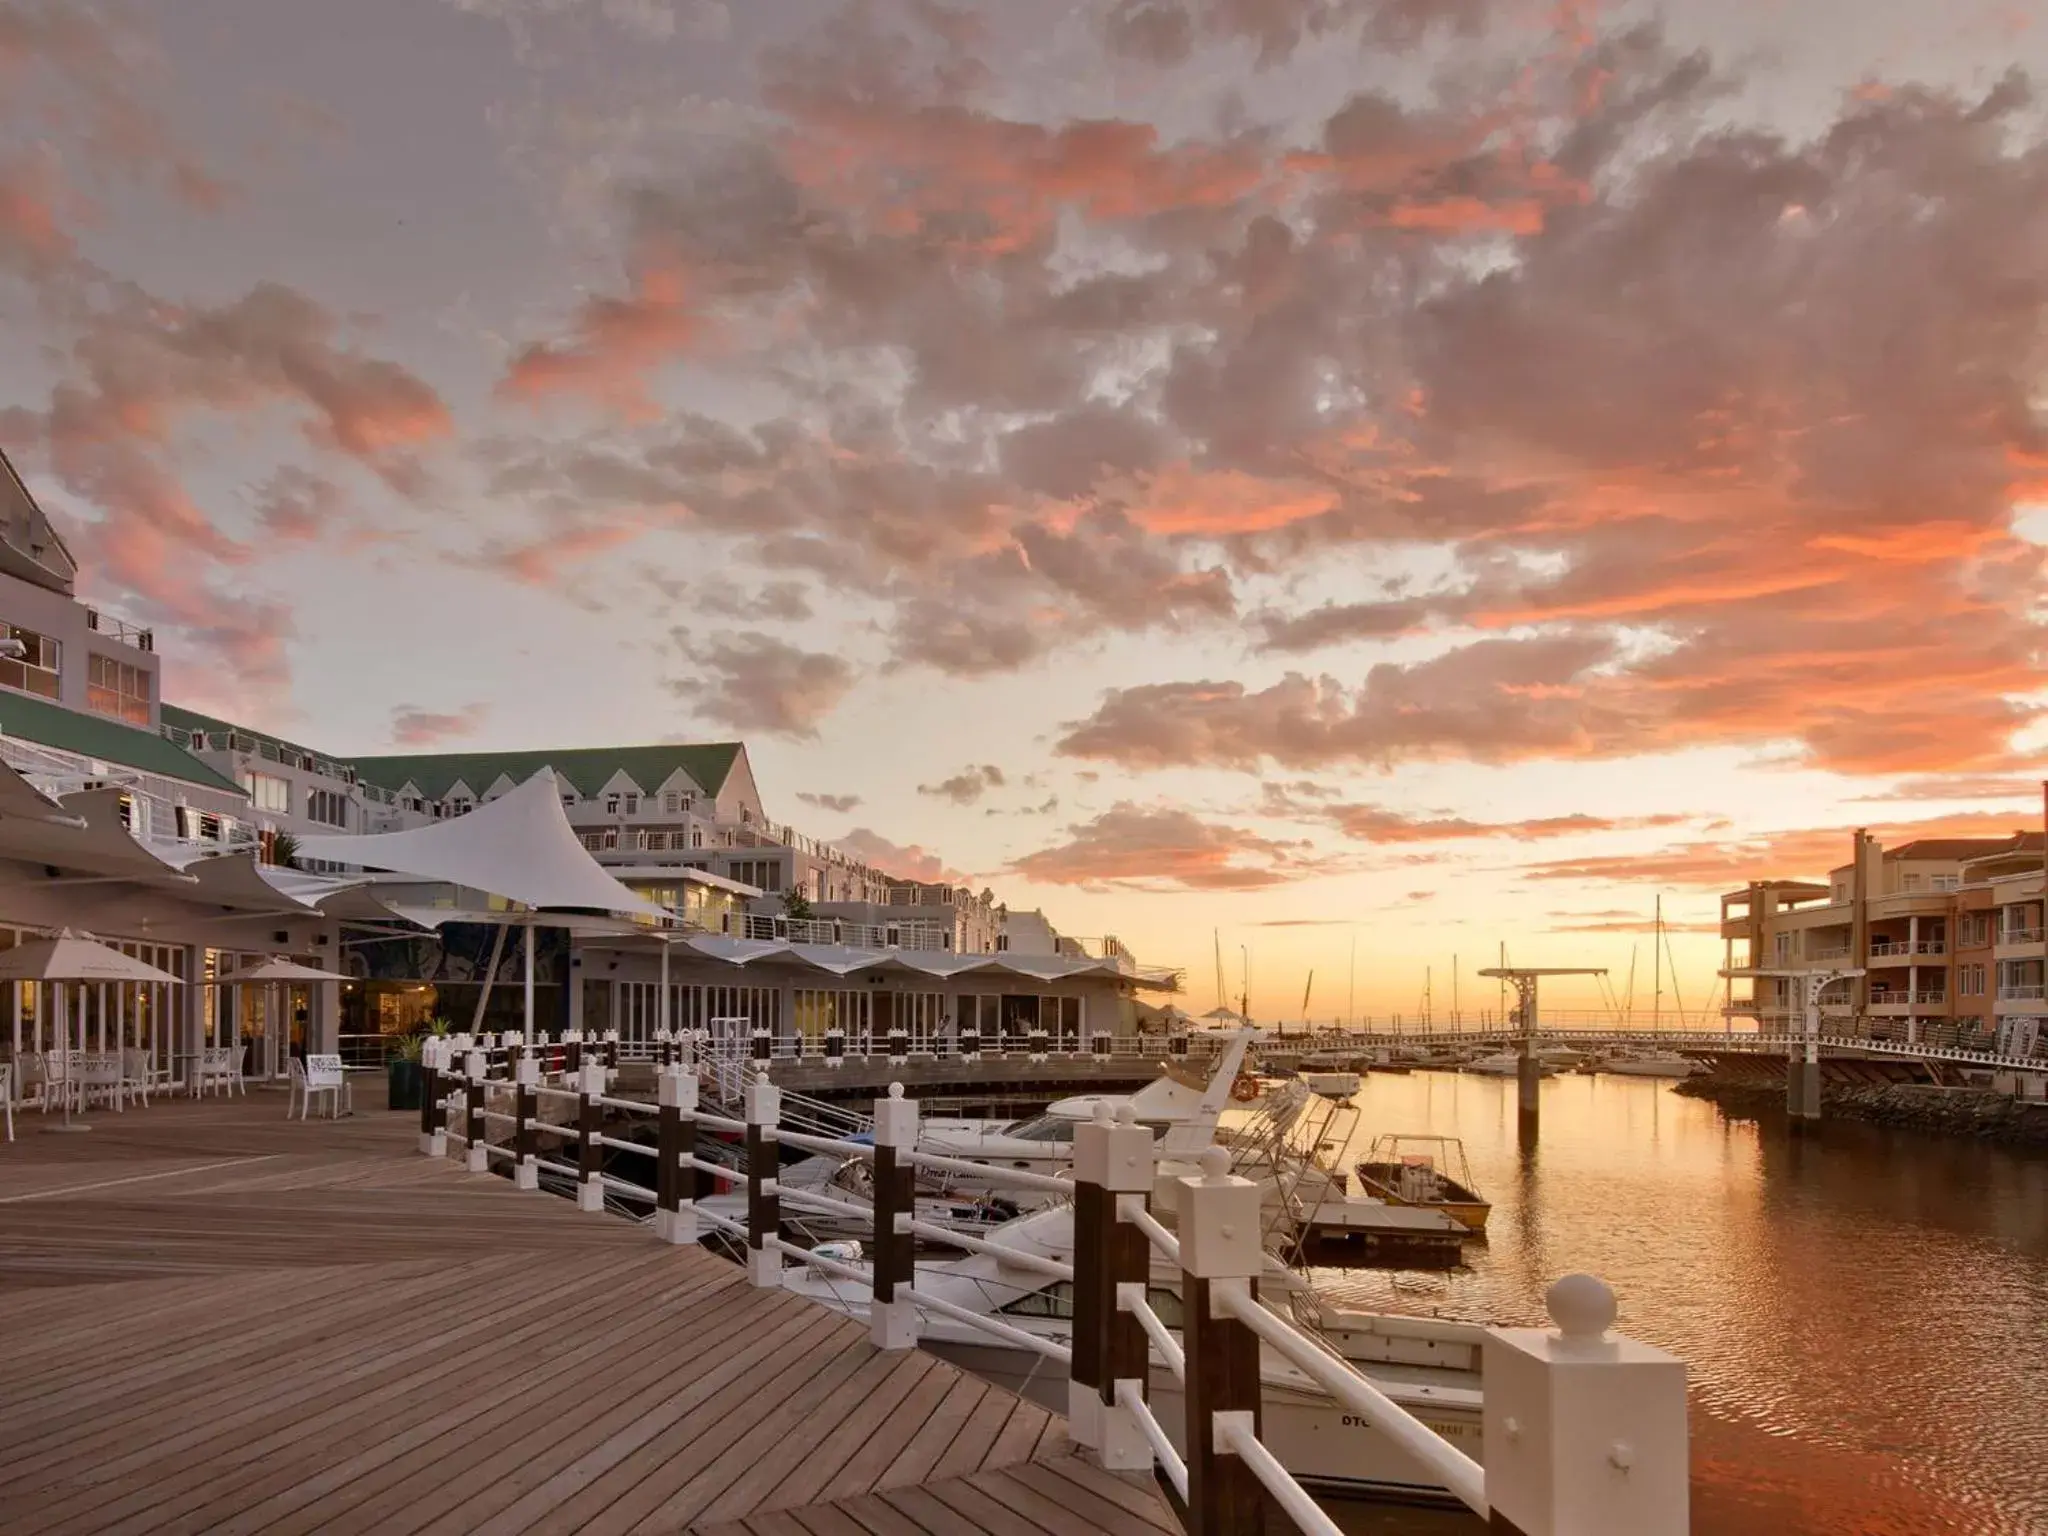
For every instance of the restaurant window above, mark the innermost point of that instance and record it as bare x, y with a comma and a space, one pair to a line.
327, 806
267, 792
36, 670
117, 688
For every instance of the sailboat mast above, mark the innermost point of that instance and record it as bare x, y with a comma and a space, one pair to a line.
1351, 989
1454, 989
1657, 967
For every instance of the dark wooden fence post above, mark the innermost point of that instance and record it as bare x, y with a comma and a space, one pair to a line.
611, 1050
1129, 1162
525, 1110
432, 1142
1093, 1217
835, 1046
970, 1041
473, 1114
589, 1125
892, 1318
572, 1055
764, 1213
675, 1213
1219, 1246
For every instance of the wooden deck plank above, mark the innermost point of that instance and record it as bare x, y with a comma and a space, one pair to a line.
199, 1489
215, 1321
1057, 1503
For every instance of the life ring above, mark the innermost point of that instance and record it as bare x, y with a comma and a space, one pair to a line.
1244, 1090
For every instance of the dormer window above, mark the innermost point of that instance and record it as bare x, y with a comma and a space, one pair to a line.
611, 805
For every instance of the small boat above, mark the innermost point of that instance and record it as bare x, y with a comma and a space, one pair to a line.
1330, 1082
1649, 1064
1508, 1064
1425, 1171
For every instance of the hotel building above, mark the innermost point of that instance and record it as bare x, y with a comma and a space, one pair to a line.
1948, 932
171, 832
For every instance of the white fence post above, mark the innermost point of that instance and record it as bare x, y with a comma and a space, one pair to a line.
1126, 1170
1585, 1433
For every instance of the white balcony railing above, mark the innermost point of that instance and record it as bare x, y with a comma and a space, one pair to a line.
1881, 948
119, 630
2020, 936
2020, 994
1833, 952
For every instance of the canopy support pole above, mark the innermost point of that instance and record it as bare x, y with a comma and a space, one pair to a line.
483, 996
529, 978
667, 1014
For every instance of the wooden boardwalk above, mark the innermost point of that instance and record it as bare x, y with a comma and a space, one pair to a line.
212, 1320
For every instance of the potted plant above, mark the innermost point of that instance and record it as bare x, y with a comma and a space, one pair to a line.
402, 1065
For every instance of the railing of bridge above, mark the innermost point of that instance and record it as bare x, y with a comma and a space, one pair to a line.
1584, 1432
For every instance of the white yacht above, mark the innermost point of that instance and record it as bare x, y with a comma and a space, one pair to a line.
1648, 1064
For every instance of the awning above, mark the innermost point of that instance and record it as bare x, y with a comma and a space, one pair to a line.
582, 924
519, 846
82, 835
689, 874
234, 880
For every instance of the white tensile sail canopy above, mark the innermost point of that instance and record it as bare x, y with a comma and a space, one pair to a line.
519, 846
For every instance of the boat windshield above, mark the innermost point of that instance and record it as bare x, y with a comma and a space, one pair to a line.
1041, 1128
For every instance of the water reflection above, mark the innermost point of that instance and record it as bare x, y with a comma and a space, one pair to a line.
1865, 1312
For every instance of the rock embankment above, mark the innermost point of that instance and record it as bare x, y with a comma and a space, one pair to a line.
1969, 1112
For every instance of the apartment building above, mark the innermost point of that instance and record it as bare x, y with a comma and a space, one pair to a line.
1948, 933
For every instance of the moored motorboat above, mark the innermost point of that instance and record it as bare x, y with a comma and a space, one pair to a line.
1426, 1172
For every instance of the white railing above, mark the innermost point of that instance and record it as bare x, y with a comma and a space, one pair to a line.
1881, 948
2020, 936
832, 930
1616, 1461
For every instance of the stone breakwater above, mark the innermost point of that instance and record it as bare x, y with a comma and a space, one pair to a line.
1967, 1112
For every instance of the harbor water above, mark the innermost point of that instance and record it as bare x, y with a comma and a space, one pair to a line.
1864, 1311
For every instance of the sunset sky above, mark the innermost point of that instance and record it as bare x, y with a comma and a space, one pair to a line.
1433, 472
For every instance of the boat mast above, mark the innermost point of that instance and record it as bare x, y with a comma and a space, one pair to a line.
1454, 989
1657, 967
1351, 988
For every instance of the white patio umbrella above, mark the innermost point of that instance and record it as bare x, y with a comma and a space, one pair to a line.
70, 957
277, 971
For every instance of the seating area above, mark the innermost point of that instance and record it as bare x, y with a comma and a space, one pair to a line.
77, 1081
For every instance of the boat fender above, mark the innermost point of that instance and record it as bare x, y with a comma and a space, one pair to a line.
1244, 1090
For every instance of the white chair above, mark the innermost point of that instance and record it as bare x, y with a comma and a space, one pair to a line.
99, 1077
138, 1074
218, 1067
319, 1075
35, 1080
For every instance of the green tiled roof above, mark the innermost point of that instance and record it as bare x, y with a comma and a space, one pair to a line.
192, 720
110, 741
589, 769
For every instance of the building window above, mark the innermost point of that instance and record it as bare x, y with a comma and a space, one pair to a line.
37, 669
1970, 980
611, 805
1783, 944
1976, 930
1945, 882
632, 805
1915, 882
116, 688
328, 807
266, 791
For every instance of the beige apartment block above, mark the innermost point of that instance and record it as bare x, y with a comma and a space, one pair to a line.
1948, 933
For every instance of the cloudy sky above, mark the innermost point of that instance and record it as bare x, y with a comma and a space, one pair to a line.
1391, 477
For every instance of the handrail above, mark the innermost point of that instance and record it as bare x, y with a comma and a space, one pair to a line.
1116, 1332
1130, 1397
1459, 1472
1235, 1435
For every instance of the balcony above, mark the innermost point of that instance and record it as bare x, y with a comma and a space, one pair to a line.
2020, 994
827, 930
120, 630
1896, 1001
2017, 936
1899, 951
1832, 952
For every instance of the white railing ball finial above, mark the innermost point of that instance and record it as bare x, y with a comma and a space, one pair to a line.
1582, 1306
1101, 1114
1127, 1114
1215, 1164
895, 1090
